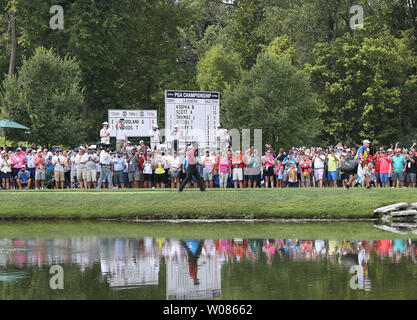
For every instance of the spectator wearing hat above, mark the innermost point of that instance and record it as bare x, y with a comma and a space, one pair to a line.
23, 178
411, 170
49, 169
208, 168
81, 161
121, 135
6, 169
175, 138
129, 147
133, 169
377, 158
399, 166
91, 166
166, 157
18, 160
142, 147
147, 169
73, 168
40, 162
385, 168
30, 163
119, 162
159, 171
319, 159
237, 165
362, 157
252, 167
105, 171
58, 161
141, 160
105, 134
225, 167
174, 170
332, 164
268, 162
220, 138
154, 134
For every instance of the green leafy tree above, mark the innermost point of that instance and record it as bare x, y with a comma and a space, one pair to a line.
46, 97
218, 69
367, 84
276, 97
246, 36
282, 46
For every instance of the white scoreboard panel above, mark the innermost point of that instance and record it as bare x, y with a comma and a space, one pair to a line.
137, 123
197, 115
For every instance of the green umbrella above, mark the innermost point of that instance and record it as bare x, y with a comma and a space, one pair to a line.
5, 123
11, 124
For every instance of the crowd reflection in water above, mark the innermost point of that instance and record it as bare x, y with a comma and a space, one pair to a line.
193, 267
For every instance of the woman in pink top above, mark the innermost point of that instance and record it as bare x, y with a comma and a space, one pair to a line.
268, 161
224, 170
18, 160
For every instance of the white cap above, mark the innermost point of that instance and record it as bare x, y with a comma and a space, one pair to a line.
106, 123
39, 150
81, 147
366, 141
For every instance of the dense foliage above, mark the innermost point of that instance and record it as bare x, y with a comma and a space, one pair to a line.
349, 83
47, 98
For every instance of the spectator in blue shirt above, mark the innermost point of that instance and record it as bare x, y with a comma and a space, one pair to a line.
23, 178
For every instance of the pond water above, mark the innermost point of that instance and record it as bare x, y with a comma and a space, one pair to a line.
160, 268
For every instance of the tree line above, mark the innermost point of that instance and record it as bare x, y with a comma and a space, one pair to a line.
293, 68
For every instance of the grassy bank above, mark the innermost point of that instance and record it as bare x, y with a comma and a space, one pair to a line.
169, 204
253, 230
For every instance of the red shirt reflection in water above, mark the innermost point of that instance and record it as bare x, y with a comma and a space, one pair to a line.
193, 269
383, 246
19, 258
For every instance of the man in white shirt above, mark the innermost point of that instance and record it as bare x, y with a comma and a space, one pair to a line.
93, 159
121, 135
208, 163
105, 161
30, 164
175, 166
74, 167
81, 162
318, 159
166, 159
105, 134
58, 161
175, 138
154, 134
226, 139
220, 138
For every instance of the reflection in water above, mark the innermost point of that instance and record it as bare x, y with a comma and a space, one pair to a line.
194, 267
